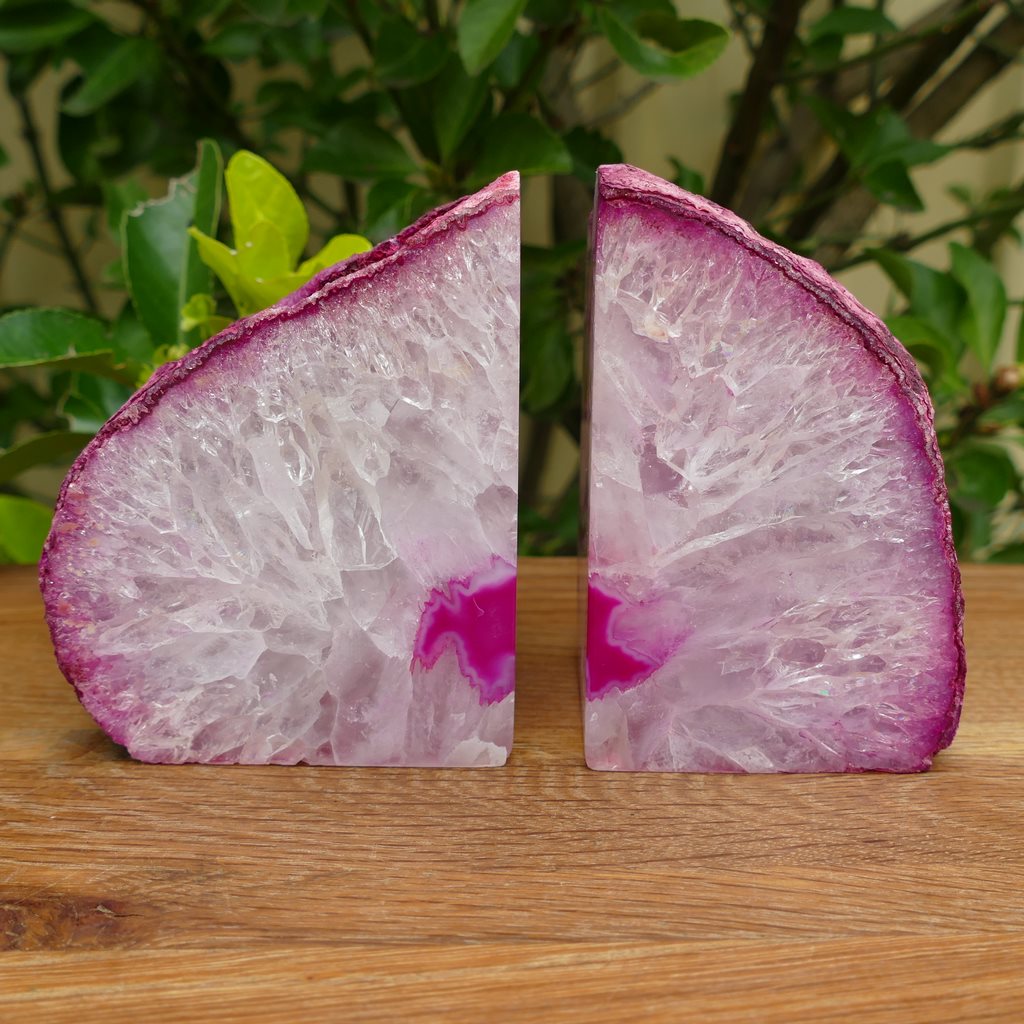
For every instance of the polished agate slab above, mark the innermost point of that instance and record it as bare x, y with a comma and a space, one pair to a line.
771, 579
298, 543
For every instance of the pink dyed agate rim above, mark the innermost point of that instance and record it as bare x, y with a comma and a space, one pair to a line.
621, 185
355, 272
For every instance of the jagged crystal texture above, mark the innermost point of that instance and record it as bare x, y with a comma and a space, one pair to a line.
248, 563
772, 585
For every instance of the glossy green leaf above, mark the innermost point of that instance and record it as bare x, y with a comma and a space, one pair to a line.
938, 352
39, 25
199, 314
119, 197
162, 264
29, 337
458, 102
660, 45
362, 151
259, 195
520, 142
24, 525
514, 59
687, 177
392, 205
891, 184
120, 67
40, 450
483, 29
934, 297
222, 260
980, 475
985, 313
89, 401
339, 248
851, 21
405, 56
589, 149
874, 139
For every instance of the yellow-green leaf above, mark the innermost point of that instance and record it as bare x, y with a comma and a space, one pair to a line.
259, 194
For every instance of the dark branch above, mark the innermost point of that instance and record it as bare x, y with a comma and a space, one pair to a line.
741, 142
53, 208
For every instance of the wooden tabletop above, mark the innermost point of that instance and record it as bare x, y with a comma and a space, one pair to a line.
541, 892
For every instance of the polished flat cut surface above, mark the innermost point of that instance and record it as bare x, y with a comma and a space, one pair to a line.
771, 577
302, 548
260, 895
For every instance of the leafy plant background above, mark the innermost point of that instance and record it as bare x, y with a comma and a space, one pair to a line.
342, 120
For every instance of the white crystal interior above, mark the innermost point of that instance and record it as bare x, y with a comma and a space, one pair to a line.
759, 498
258, 550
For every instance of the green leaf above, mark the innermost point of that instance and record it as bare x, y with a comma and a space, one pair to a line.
520, 142
119, 197
484, 27
874, 139
29, 337
391, 205
660, 45
980, 475
155, 247
24, 525
983, 319
892, 185
89, 401
404, 57
514, 59
1007, 412
589, 149
162, 264
362, 151
223, 262
339, 248
458, 102
199, 314
1012, 554
934, 297
39, 25
40, 450
939, 352
851, 21
687, 177
120, 66
239, 41
258, 195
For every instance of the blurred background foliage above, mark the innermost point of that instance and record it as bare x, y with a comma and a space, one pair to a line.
342, 120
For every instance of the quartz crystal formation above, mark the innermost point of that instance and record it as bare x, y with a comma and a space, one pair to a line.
297, 544
772, 585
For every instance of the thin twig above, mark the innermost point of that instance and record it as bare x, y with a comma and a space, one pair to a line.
53, 208
902, 243
624, 106
597, 75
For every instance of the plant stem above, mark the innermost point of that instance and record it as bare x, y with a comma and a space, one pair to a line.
53, 208
745, 131
1004, 213
624, 106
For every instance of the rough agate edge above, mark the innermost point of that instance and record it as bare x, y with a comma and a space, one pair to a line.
772, 584
297, 543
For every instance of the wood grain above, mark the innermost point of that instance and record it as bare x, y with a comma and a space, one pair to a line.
539, 892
